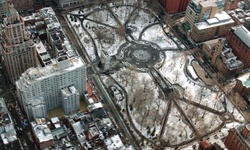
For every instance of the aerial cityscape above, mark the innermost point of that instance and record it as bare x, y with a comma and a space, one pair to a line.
125, 75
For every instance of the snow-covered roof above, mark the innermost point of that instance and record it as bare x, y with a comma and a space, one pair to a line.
42, 131
94, 106
114, 142
40, 73
221, 18
55, 120
245, 79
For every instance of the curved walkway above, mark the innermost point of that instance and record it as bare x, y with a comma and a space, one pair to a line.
172, 92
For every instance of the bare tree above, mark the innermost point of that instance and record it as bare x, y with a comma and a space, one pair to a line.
177, 74
137, 97
125, 76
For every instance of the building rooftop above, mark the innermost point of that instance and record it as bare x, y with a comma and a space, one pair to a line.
7, 130
219, 19
239, 14
114, 142
55, 31
208, 3
40, 73
69, 91
245, 79
94, 106
41, 130
243, 34
230, 59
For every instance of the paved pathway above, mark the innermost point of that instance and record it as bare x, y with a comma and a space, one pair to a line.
147, 57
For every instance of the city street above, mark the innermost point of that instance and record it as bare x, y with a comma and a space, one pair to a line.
24, 135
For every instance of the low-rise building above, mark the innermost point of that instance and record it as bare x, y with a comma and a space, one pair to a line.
43, 137
7, 129
55, 35
94, 129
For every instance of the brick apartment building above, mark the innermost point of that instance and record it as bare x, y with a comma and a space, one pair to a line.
237, 139
221, 56
238, 38
23, 4
206, 145
174, 6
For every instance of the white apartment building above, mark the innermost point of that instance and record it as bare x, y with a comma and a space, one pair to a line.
70, 100
19, 51
48, 81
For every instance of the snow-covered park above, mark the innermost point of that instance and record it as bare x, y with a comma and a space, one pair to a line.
201, 109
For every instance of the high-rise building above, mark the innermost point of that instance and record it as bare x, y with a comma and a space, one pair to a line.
174, 6
3, 7
19, 51
201, 10
49, 82
238, 38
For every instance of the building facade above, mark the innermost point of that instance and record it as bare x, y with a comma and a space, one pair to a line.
238, 38
174, 6
19, 51
23, 4
48, 81
68, 3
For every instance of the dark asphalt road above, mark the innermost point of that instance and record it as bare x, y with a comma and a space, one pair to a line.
24, 132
